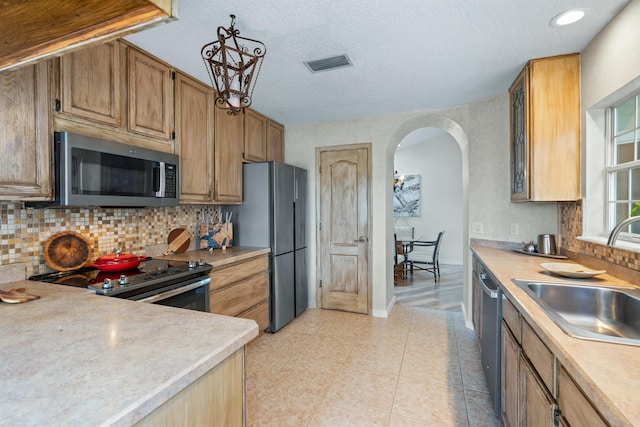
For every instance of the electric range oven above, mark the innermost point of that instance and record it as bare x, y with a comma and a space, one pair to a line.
182, 284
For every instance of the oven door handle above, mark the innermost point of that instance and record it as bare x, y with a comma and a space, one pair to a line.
177, 291
492, 293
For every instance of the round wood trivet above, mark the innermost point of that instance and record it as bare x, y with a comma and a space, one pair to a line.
66, 251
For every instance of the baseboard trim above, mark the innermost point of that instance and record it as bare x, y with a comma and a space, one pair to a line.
467, 321
384, 313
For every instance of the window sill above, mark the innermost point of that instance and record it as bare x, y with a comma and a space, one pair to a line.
627, 245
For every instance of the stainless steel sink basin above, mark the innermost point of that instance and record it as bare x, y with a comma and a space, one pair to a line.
600, 313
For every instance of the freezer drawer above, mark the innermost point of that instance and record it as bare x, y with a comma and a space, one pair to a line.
282, 297
302, 291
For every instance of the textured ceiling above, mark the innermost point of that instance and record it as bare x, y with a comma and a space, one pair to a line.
408, 54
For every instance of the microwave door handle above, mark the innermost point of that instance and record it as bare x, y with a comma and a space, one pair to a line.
163, 179
76, 176
159, 181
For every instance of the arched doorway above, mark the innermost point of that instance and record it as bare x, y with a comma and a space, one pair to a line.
430, 160
457, 133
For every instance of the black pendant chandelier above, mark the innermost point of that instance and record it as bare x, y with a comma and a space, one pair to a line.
233, 64
398, 182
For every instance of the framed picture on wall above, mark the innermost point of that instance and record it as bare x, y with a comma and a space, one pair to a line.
406, 200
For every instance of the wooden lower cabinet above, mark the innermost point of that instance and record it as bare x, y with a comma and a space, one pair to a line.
242, 290
542, 359
259, 313
239, 297
511, 318
214, 399
576, 408
537, 406
510, 377
536, 389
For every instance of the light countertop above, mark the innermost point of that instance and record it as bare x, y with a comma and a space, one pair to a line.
609, 374
74, 358
217, 257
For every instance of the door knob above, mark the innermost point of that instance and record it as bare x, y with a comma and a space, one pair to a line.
361, 239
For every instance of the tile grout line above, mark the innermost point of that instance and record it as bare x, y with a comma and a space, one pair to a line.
404, 352
464, 387
325, 396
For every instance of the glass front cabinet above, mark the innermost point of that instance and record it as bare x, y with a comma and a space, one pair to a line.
545, 130
519, 138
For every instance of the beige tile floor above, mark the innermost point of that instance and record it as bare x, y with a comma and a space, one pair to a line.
419, 367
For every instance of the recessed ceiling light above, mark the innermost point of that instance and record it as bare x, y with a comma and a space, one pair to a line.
568, 17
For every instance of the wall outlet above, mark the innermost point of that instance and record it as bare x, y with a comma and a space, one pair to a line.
476, 227
514, 228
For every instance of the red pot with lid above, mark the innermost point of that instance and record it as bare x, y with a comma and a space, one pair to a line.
117, 261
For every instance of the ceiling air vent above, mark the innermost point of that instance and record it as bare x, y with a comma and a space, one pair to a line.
330, 63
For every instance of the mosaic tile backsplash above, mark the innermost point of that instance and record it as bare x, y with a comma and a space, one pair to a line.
24, 231
570, 227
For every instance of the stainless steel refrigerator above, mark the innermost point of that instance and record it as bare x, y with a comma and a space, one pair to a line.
272, 215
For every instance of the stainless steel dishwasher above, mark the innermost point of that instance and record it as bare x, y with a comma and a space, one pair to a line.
491, 343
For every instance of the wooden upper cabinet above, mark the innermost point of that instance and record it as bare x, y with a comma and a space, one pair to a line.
150, 96
26, 133
255, 136
275, 141
194, 139
92, 84
519, 140
42, 28
115, 91
229, 141
263, 138
545, 130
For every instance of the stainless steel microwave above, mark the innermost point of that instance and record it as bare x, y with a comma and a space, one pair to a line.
94, 172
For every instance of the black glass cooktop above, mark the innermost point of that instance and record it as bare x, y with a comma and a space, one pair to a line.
149, 273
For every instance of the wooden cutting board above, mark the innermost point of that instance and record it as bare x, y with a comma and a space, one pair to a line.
66, 251
178, 240
16, 296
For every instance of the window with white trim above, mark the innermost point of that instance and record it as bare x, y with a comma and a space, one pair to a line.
623, 170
